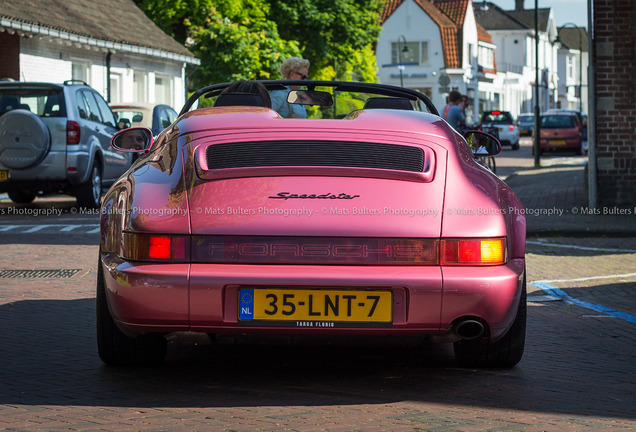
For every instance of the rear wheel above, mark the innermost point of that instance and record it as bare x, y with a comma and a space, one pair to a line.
117, 349
89, 193
22, 196
504, 353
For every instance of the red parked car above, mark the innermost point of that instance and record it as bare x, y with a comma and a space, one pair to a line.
370, 217
561, 131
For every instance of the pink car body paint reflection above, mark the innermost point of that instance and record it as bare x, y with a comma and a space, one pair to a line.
239, 221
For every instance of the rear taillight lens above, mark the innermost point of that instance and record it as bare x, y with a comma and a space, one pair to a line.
142, 247
511, 127
73, 133
473, 251
314, 250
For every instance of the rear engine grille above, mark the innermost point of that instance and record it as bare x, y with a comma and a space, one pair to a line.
315, 153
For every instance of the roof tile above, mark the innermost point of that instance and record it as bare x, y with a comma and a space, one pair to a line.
112, 20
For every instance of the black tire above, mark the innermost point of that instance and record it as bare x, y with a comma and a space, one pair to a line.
88, 194
22, 196
504, 353
516, 146
117, 349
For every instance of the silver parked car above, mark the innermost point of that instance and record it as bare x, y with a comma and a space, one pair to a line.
55, 138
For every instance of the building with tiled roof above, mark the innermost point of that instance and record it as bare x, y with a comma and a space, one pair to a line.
436, 46
110, 44
513, 34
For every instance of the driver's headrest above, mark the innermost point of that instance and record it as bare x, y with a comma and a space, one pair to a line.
238, 99
388, 103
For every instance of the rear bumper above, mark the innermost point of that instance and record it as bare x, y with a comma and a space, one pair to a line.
58, 171
204, 298
569, 143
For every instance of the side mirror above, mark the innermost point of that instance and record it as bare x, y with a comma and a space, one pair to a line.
482, 143
310, 97
135, 139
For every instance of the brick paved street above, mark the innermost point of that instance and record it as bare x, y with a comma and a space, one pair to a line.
577, 374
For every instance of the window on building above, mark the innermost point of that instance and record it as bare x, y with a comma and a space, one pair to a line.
416, 52
163, 89
570, 67
140, 86
116, 88
486, 57
80, 71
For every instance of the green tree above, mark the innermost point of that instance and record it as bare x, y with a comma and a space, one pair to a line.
337, 36
249, 39
233, 38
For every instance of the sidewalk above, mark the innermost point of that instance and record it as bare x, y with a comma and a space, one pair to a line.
556, 202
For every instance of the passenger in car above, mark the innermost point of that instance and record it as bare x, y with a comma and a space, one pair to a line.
293, 68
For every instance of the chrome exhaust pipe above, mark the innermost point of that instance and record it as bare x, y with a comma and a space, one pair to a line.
468, 329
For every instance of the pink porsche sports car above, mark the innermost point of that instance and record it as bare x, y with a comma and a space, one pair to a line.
371, 216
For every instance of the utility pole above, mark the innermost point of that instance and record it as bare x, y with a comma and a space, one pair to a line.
537, 112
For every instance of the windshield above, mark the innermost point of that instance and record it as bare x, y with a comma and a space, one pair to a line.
557, 122
330, 99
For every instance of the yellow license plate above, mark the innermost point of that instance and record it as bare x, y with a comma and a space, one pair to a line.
315, 308
557, 142
4, 175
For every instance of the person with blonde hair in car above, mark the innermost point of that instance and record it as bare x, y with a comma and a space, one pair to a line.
293, 68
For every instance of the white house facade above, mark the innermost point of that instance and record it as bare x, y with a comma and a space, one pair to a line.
134, 63
495, 53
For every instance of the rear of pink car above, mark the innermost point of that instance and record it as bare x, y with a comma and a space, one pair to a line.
381, 223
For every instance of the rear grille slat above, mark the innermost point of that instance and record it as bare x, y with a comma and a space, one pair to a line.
315, 153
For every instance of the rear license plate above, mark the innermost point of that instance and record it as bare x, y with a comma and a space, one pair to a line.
4, 175
315, 308
557, 142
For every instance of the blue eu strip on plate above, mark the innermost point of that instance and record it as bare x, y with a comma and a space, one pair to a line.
246, 304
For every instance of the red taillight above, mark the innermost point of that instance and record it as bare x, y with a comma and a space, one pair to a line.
73, 133
473, 252
496, 112
154, 247
511, 127
159, 247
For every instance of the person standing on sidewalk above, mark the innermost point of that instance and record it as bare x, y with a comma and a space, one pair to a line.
452, 111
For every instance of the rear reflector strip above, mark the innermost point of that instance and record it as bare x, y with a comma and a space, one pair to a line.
314, 250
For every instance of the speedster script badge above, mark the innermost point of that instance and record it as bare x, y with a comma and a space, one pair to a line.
328, 195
